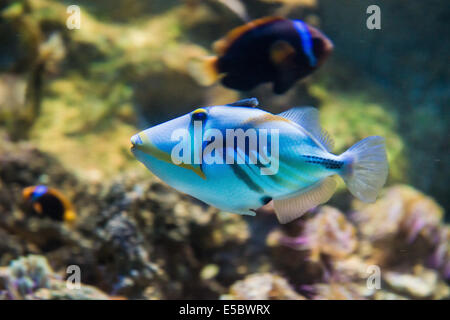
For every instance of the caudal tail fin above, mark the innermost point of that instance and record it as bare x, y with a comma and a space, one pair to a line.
204, 70
366, 168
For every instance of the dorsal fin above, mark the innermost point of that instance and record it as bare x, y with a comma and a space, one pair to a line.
308, 118
221, 45
250, 102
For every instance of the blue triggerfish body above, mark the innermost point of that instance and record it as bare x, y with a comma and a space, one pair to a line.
238, 158
48, 202
271, 49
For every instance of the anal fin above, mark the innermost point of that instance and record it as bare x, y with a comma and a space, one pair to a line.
292, 208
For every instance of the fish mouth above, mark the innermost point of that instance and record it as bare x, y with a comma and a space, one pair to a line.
138, 145
149, 149
136, 141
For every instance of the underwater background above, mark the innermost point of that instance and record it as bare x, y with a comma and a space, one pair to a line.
71, 99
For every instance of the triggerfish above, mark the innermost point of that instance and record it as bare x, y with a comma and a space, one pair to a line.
271, 49
48, 202
239, 158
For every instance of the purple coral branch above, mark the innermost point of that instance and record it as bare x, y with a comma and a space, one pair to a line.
294, 242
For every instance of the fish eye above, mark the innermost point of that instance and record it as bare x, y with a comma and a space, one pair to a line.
199, 114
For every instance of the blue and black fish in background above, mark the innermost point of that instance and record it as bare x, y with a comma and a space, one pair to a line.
271, 49
44, 201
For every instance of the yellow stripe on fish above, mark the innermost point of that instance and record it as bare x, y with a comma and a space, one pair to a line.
159, 154
264, 119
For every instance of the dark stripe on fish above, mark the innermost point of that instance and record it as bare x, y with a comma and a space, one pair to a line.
327, 163
242, 175
275, 178
265, 200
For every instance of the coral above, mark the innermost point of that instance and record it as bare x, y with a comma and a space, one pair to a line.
11, 246
330, 256
121, 245
27, 275
440, 256
137, 238
328, 233
140, 224
58, 291
32, 278
400, 209
337, 291
263, 286
313, 243
402, 219
422, 283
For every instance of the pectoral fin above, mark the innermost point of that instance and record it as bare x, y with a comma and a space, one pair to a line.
292, 208
282, 55
37, 207
281, 51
